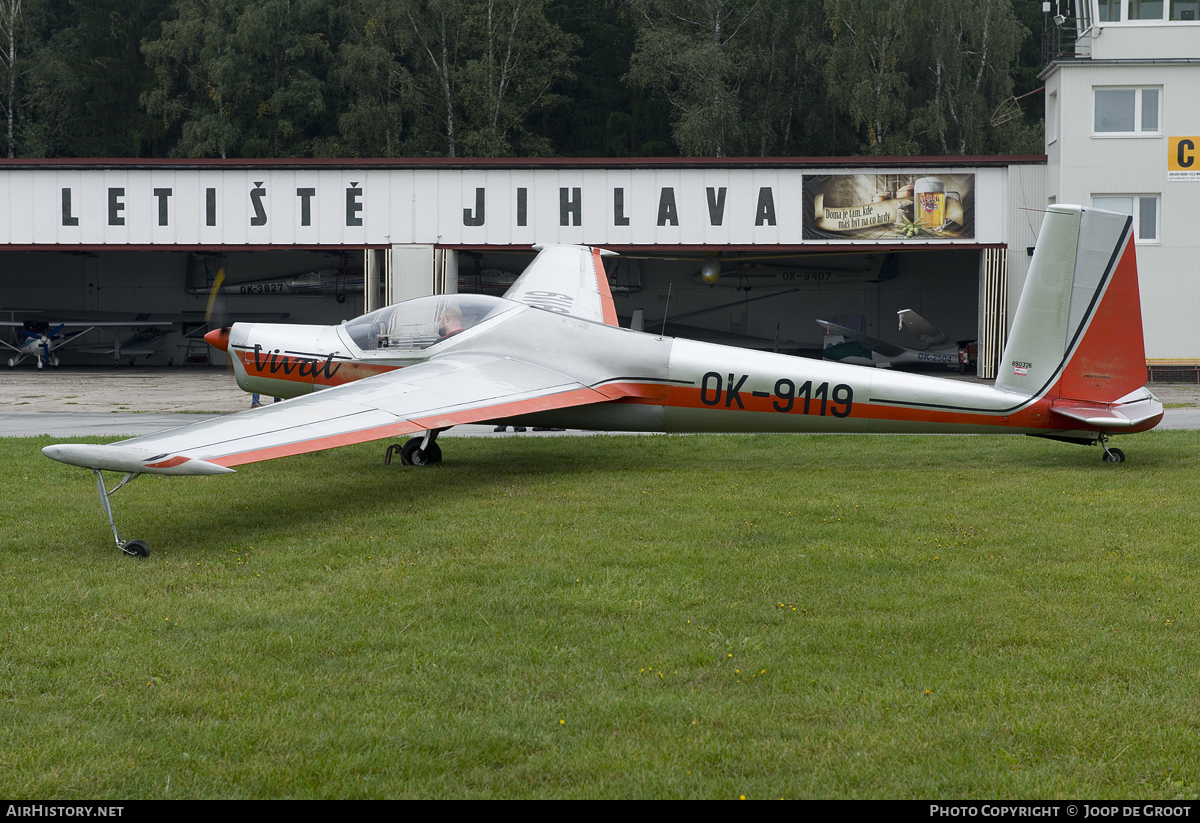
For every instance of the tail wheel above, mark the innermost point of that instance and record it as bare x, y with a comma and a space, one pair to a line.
1114, 456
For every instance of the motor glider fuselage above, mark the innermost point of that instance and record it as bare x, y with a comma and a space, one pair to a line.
660, 384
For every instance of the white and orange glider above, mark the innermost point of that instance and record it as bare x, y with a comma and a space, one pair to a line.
550, 353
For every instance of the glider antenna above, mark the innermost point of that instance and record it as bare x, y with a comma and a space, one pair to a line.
665, 307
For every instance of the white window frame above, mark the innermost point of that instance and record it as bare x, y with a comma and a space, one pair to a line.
1137, 112
1093, 9
1137, 215
1052, 117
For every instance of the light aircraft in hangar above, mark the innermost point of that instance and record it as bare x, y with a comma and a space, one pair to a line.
40, 333
318, 283
550, 353
40, 339
859, 349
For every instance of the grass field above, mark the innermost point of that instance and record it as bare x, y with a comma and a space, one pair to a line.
768, 616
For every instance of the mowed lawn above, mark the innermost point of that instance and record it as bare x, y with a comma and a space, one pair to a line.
705, 616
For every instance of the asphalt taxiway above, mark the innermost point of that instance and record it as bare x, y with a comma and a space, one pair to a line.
102, 402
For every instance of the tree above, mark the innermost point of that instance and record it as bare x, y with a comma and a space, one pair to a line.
519, 56
967, 72
482, 68
369, 68
73, 75
698, 54
244, 78
11, 19
867, 69
597, 113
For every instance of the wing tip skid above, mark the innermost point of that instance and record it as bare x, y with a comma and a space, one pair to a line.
124, 459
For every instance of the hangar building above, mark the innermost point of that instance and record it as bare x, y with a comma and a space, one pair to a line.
781, 242
1121, 134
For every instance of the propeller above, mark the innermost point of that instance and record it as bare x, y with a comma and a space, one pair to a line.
213, 297
218, 338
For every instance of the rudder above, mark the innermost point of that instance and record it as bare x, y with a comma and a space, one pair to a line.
1077, 332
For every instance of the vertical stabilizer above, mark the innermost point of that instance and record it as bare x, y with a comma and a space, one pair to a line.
1078, 328
567, 280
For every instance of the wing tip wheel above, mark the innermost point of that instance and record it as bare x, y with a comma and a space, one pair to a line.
136, 548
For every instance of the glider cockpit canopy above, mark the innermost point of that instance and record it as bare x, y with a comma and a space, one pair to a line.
418, 324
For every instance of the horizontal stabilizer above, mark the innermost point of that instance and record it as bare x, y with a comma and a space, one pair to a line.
567, 280
125, 459
1114, 416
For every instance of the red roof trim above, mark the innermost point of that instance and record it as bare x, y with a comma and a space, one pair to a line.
581, 163
201, 247
845, 246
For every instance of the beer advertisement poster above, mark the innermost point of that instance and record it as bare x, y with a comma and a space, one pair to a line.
905, 206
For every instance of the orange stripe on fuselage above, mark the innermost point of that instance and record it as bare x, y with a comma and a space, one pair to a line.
606, 302
308, 370
1034, 416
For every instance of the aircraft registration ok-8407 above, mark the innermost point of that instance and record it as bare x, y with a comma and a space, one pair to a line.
550, 353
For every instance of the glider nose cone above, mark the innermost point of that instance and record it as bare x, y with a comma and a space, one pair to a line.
218, 339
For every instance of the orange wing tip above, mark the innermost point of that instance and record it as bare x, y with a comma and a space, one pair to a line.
125, 459
218, 339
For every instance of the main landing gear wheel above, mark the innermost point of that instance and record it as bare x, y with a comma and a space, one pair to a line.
136, 548
413, 455
1113, 456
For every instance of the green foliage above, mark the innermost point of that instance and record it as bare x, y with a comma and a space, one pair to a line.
243, 78
482, 68
598, 114
497, 78
79, 76
699, 54
924, 77
850, 77
370, 71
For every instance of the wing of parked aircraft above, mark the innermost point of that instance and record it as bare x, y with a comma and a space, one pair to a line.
863, 350
450, 391
864, 340
920, 328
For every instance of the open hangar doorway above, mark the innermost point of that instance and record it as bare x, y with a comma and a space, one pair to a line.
771, 300
162, 298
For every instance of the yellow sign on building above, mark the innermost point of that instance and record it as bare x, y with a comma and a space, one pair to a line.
1183, 158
